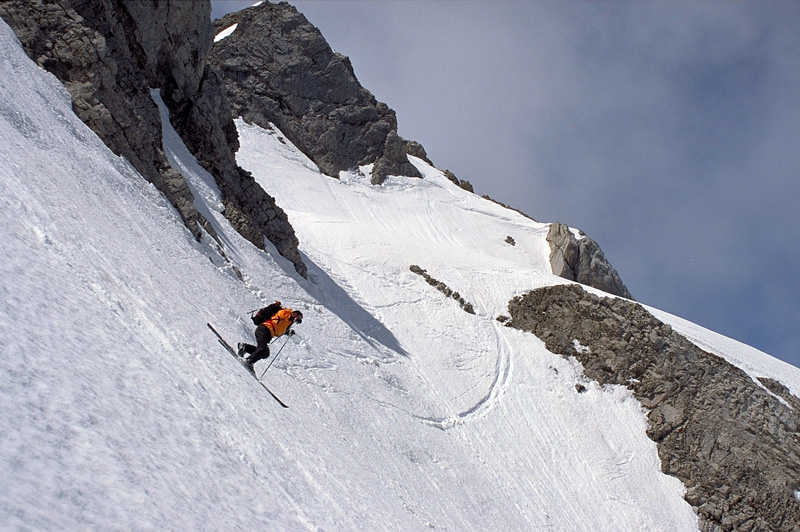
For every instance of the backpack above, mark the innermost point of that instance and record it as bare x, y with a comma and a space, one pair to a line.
266, 313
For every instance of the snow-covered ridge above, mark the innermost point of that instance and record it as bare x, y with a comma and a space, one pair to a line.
497, 271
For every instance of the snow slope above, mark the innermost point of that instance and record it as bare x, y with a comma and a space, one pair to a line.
119, 411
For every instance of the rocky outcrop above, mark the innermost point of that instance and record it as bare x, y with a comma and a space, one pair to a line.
278, 69
85, 45
109, 54
466, 185
443, 288
582, 260
734, 444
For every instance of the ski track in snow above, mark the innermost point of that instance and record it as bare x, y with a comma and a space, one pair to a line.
483, 406
121, 412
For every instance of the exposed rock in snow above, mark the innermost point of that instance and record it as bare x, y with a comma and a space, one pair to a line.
443, 288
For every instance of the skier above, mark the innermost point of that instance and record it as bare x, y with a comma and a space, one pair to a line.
273, 321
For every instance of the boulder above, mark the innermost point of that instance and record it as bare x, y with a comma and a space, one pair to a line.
582, 260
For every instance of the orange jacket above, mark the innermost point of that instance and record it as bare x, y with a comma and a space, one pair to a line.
278, 323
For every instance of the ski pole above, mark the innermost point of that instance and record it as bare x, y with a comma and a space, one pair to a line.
276, 356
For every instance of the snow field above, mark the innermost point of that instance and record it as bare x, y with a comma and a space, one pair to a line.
550, 450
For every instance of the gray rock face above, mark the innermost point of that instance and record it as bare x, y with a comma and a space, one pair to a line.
582, 261
84, 44
733, 443
109, 54
278, 69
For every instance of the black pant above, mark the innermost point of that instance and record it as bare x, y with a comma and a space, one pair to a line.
256, 353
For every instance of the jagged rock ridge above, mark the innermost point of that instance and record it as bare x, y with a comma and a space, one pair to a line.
109, 55
278, 69
734, 445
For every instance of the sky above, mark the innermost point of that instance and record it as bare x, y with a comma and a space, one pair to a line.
666, 131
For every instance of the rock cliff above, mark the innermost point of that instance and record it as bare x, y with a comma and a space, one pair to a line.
278, 69
109, 54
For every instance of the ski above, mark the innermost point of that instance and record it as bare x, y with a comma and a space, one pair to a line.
230, 350
284, 405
